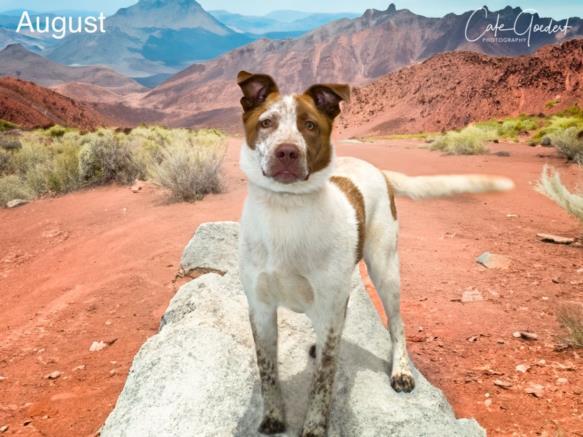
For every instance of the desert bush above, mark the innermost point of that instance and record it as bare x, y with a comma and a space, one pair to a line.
6, 125
570, 316
5, 162
12, 187
104, 158
469, 141
559, 123
551, 186
189, 170
9, 142
57, 131
569, 143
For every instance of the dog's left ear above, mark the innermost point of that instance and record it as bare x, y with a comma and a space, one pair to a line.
256, 88
328, 96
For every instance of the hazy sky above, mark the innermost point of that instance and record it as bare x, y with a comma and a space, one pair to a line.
555, 8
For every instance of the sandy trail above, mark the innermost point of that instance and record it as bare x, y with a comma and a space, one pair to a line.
99, 265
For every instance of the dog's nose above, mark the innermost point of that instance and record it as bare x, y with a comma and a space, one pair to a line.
287, 153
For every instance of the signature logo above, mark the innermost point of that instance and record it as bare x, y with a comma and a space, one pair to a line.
523, 28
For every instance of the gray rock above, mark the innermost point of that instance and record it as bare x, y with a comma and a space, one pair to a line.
198, 377
15, 203
546, 142
494, 261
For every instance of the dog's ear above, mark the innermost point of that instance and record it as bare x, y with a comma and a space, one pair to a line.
327, 97
256, 88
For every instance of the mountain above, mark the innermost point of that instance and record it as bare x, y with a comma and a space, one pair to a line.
16, 61
291, 23
29, 105
152, 37
354, 51
450, 90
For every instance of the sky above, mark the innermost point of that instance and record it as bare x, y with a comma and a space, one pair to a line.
555, 8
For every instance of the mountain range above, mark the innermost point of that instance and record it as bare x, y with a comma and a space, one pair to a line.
354, 51
153, 38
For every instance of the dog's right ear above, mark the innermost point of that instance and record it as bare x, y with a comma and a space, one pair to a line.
256, 88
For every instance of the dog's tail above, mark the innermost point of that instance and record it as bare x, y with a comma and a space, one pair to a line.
426, 187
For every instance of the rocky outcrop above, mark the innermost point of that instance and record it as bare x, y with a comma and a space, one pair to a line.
197, 376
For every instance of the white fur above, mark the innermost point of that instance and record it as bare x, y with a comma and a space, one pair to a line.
298, 248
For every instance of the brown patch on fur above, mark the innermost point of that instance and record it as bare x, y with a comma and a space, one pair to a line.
251, 119
391, 193
319, 153
356, 199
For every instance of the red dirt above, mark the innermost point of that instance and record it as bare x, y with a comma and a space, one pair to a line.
29, 105
99, 265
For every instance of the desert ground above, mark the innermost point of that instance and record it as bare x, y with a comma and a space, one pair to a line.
100, 265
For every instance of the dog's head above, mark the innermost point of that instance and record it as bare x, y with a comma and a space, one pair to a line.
288, 147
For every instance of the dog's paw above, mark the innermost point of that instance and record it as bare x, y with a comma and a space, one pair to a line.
271, 425
403, 382
312, 351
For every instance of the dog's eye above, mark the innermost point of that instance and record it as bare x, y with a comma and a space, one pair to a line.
265, 124
310, 125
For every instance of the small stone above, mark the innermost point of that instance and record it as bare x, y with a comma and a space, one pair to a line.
511, 215
100, 345
471, 295
137, 186
502, 384
53, 375
536, 390
16, 203
503, 154
488, 402
2, 378
493, 261
557, 239
522, 368
26, 422
79, 367
96, 346
561, 381
4, 428
525, 335
546, 142
108, 323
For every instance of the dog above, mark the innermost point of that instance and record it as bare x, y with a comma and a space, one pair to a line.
308, 220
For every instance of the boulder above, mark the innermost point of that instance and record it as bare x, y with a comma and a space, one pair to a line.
198, 377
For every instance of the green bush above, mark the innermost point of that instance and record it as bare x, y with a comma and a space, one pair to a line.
105, 159
5, 162
57, 131
12, 187
6, 125
469, 141
189, 170
569, 143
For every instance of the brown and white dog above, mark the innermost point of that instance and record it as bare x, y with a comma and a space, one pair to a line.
309, 218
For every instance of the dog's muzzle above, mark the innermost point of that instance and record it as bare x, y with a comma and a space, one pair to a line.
286, 165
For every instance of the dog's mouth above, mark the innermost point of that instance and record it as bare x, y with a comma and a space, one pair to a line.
287, 176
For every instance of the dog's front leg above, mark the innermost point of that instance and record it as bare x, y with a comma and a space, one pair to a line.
328, 325
264, 326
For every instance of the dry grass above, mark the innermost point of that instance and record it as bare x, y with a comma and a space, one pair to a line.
470, 140
190, 170
570, 316
551, 186
59, 160
569, 143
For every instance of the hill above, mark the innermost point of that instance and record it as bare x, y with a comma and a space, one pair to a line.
452, 89
29, 105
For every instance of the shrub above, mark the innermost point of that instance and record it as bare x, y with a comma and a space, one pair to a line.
551, 186
5, 162
57, 131
189, 170
12, 187
570, 315
6, 125
105, 159
569, 143
559, 123
469, 141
